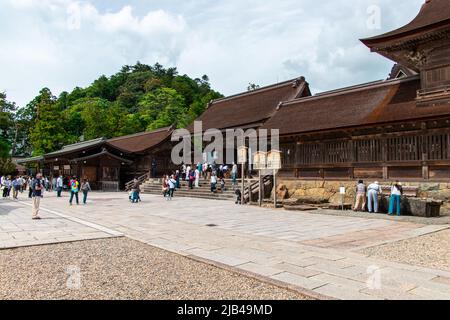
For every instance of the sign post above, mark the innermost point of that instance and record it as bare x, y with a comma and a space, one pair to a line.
242, 160
274, 163
342, 191
260, 163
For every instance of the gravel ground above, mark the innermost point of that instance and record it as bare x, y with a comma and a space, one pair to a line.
122, 269
430, 251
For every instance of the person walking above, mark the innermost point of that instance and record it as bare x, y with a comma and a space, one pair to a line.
16, 188
165, 186
59, 186
6, 187
85, 188
361, 192
396, 198
177, 178
374, 190
74, 190
37, 192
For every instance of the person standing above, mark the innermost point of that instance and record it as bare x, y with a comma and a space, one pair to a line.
85, 188
154, 168
374, 190
165, 186
213, 182
188, 172
30, 187
396, 198
59, 186
361, 192
177, 178
7, 187
197, 178
172, 184
74, 190
37, 187
234, 174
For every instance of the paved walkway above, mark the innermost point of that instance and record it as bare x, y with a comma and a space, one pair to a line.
17, 229
315, 252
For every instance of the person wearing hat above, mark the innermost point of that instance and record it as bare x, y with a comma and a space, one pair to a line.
396, 198
373, 191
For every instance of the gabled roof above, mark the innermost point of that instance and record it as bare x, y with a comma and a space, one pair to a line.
100, 154
370, 104
141, 142
81, 146
30, 160
433, 14
251, 109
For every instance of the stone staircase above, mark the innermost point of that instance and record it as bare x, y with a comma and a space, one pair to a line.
154, 186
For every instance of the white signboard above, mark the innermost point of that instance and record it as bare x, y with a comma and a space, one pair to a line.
342, 190
274, 160
67, 168
242, 155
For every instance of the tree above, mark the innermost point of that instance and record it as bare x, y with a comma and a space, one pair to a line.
252, 87
7, 134
162, 108
47, 133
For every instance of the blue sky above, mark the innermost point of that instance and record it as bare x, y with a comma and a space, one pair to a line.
61, 44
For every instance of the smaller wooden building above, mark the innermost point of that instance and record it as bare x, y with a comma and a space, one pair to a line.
108, 163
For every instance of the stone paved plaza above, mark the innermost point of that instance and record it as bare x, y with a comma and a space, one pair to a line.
319, 253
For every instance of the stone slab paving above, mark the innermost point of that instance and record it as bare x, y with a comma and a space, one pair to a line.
17, 229
312, 251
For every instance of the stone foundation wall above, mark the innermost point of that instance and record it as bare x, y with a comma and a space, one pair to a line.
328, 191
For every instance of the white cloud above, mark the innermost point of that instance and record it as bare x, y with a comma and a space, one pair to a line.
64, 43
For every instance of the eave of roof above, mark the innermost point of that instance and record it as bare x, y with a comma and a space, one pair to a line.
433, 15
81, 146
30, 160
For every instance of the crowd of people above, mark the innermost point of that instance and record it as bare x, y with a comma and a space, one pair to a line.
192, 174
367, 197
13, 186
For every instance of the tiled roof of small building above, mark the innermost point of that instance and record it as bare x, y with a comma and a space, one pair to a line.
141, 142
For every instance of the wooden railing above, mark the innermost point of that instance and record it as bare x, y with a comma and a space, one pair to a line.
141, 179
253, 188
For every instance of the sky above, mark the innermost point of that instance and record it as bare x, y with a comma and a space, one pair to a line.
62, 44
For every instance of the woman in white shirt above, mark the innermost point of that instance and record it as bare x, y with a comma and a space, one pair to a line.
396, 198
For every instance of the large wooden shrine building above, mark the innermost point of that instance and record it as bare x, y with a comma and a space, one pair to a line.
398, 128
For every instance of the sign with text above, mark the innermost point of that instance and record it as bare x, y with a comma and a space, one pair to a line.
274, 160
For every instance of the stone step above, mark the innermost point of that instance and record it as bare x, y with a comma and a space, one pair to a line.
210, 196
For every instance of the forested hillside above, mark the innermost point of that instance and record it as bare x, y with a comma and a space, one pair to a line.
136, 99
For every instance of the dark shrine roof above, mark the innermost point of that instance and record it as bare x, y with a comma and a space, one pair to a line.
81, 146
140, 142
371, 104
251, 109
434, 13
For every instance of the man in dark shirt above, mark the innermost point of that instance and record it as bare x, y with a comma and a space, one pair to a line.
37, 187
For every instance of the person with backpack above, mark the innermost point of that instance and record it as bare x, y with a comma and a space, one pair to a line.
213, 183
37, 188
396, 198
74, 190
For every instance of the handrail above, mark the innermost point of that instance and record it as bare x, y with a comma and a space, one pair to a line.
141, 179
